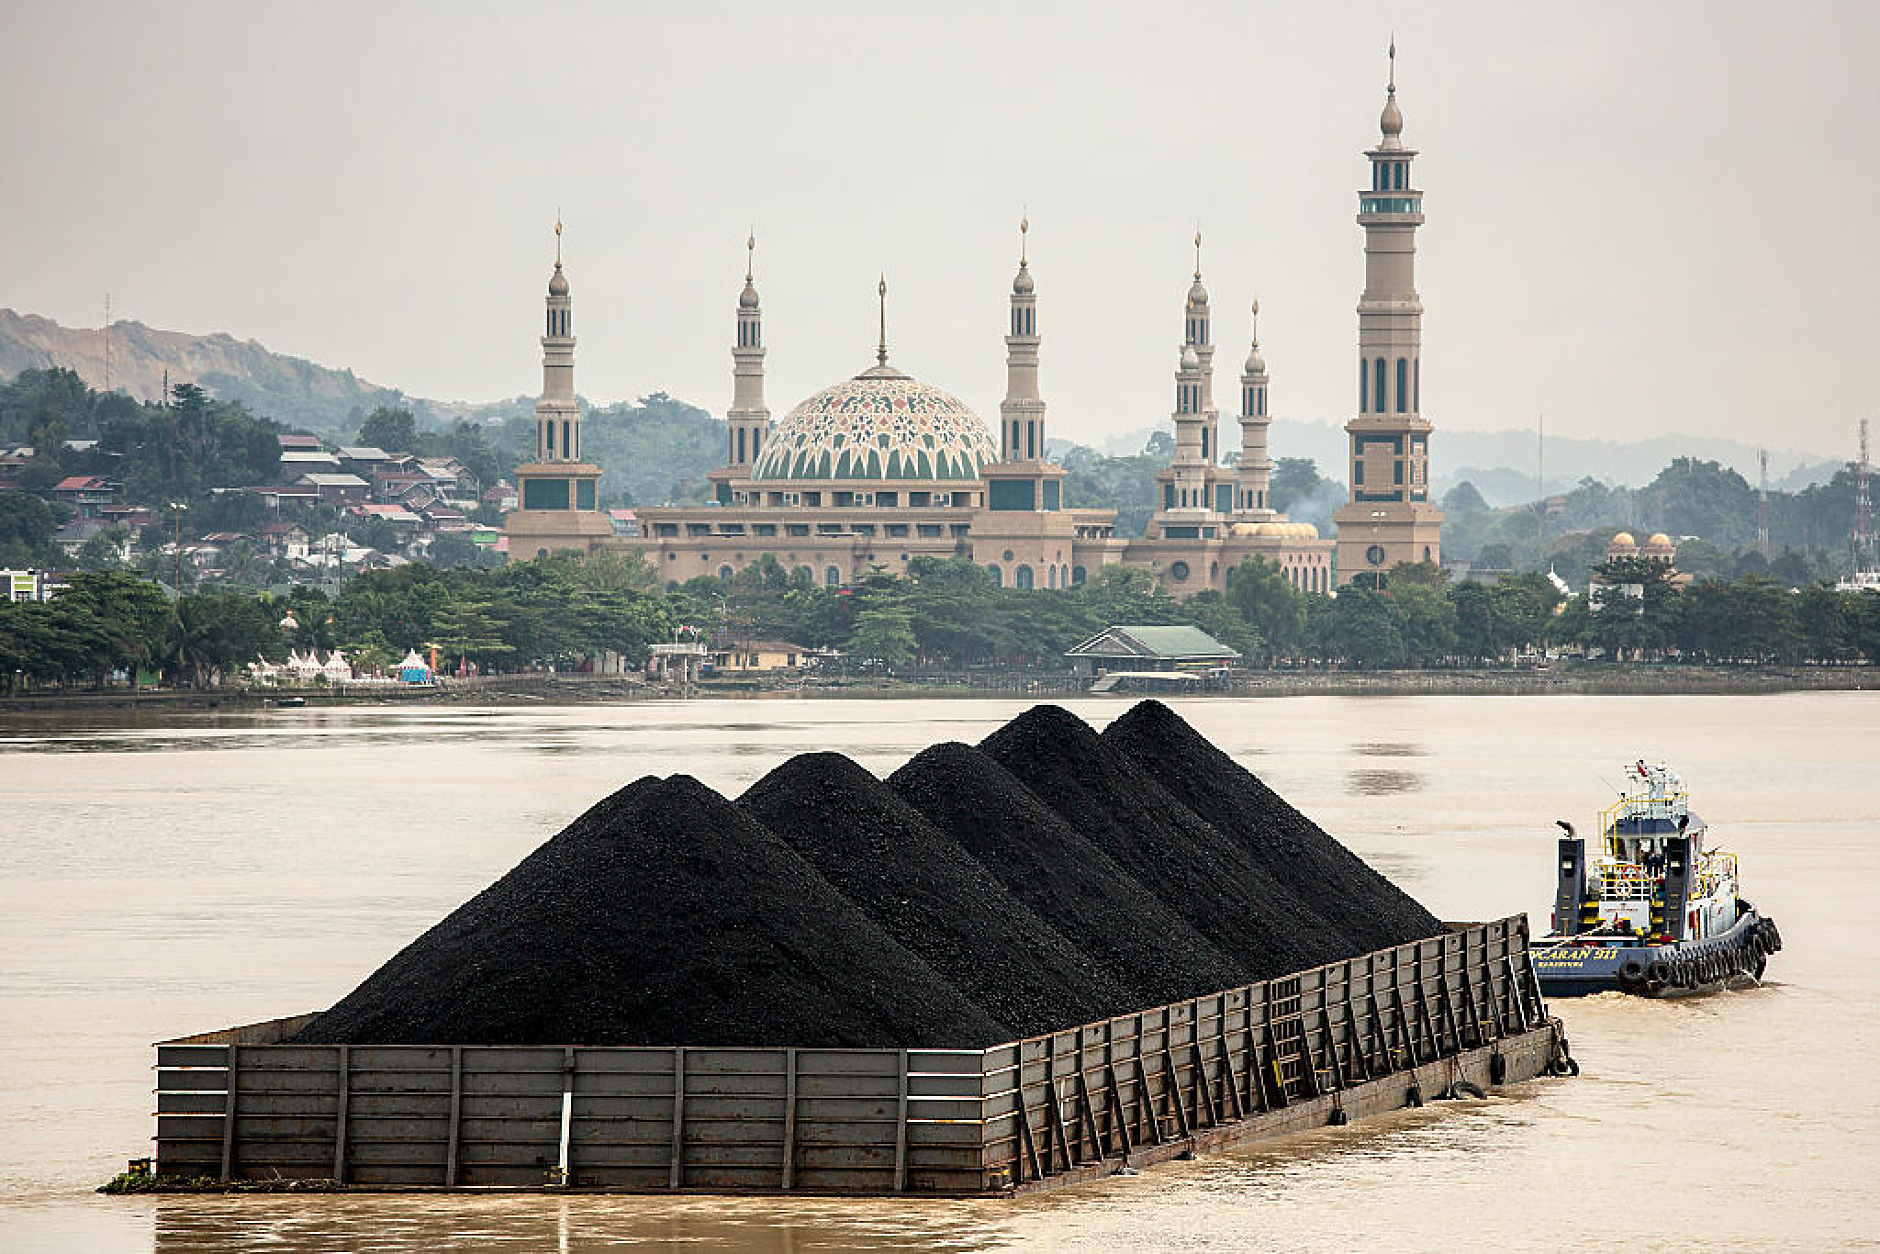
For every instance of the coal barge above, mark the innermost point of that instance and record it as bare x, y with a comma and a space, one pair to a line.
1653, 911
1006, 968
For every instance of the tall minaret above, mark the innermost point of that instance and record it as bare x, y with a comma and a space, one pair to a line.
1254, 473
1200, 338
560, 492
1389, 519
558, 414
1021, 413
1188, 471
747, 422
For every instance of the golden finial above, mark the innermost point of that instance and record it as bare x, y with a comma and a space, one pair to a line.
1024, 227
558, 238
1392, 88
750, 257
1197, 254
881, 350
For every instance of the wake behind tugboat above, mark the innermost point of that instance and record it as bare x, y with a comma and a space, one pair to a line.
1653, 911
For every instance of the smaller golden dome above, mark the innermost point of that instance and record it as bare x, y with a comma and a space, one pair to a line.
1659, 540
1624, 540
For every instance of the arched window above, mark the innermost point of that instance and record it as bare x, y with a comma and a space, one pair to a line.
1050, 577
1262, 402
1079, 576
1022, 577
1204, 441
1014, 437
1379, 402
725, 573
1403, 384
549, 428
1031, 440
1364, 386
998, 576
740, 445
832, 578
804, 574
567, 445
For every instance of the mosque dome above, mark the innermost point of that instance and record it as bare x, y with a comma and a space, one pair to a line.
1276, 530
879, 425
1622, 540
558, 282
1659, 540
1021, 283
747, 299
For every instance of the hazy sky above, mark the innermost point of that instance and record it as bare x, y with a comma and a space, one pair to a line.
1642, 218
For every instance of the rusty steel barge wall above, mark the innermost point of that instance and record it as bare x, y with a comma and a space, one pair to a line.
1342, 1041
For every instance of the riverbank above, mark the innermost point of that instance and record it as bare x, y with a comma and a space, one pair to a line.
1595, 679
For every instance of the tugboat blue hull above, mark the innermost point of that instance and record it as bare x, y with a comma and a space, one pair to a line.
1679, 969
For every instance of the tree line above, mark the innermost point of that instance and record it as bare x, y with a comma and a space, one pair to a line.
565, 610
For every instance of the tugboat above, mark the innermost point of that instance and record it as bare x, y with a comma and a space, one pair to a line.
1652, 911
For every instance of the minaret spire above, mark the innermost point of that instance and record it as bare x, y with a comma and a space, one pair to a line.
1197, 254
881, 349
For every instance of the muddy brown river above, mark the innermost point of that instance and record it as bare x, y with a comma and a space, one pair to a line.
194, 871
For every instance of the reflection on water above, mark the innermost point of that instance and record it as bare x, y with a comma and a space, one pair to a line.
1388, 749
215, 1225
1383, 783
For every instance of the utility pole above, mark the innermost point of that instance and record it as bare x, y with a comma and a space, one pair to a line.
1762, 504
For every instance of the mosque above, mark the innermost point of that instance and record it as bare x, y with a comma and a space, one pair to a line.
882, 468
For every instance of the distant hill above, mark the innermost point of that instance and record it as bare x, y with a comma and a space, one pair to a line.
1501, 463
291, 390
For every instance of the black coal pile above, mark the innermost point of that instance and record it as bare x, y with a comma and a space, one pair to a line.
925, 891
665, 915
1328, 877
1227, 896
1064, 879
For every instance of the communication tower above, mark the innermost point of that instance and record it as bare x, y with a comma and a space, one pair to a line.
1762, 503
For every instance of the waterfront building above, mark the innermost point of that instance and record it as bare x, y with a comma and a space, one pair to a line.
1389, 518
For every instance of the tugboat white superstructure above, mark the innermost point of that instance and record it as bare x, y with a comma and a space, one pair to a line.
1650, 909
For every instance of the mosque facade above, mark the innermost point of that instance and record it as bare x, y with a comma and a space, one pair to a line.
881, 468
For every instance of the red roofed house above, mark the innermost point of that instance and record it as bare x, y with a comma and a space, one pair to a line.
87, 493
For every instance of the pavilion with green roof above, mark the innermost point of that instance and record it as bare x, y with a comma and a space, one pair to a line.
1150, 648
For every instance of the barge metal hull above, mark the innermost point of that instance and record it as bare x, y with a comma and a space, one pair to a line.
1333, 1044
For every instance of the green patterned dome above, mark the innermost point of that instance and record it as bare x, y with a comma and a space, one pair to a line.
878, 425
